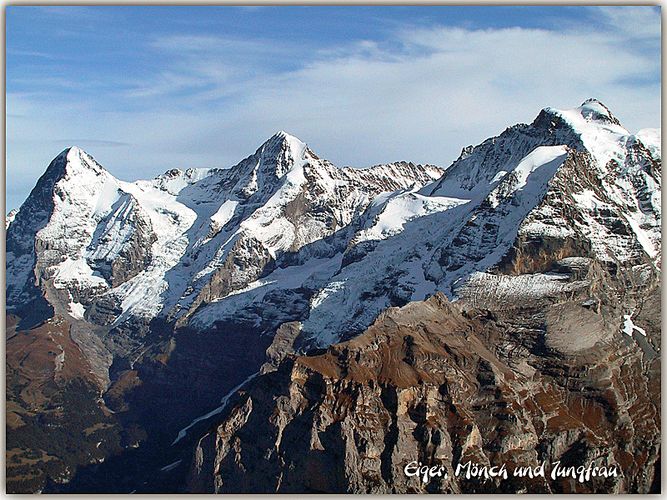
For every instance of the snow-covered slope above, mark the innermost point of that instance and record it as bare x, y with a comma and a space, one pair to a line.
532, 186
186, 238
48, 237
10, 217
285, 235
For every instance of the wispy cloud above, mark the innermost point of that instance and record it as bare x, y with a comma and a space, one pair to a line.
633, 22
93, 143
67, 12
31, 53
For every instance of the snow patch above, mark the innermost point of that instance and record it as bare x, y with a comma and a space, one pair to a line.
652, 139
223, 403
397, 210
77, 310
10, 217
629, 327
539, 157
76, 272
223, 215
171, 466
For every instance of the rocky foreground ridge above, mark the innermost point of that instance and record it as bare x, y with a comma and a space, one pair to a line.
444, 384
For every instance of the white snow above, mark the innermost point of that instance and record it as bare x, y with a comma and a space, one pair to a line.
223, 403
532, 174
224, 214
395, 211
78, 272
508, 289
629, 327
108, 194
175, 181
79, 204
588, 199
623, 187
643, 236
557, 229
10, 217
170, 219
652, 139
604, 140
77, 310
325, 292
538, 158
405, 243
415, 280
498, 176
314, 273
95, 217
171, 466
411, 228
117, 230
275, 232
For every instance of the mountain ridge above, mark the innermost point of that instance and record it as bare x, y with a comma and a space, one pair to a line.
179, 287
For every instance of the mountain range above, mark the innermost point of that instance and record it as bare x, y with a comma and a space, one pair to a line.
506, 307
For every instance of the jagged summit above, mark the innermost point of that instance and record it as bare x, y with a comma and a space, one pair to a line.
592, 114
72, 161
278, 154
282, 139
285, 141
281, 134
594, 110
283, 198
590, 127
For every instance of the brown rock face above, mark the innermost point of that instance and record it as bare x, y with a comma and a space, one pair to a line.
444, 384
53, 420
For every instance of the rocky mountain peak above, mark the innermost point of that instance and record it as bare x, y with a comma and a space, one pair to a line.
282, 136
594, 110
72, 161
70, 175
280, 153
591, 116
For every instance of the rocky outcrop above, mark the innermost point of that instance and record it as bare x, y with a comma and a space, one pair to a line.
444, 384
121, 245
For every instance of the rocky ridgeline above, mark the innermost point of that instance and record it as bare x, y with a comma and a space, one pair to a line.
445, 384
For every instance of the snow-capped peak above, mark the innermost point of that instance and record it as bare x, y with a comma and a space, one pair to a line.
281, 136
73, 152
279, 154
194, 244
73, 161
592, 116
281, 140
594, 110
79, 158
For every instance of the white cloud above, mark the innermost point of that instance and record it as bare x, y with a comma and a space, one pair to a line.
634, 22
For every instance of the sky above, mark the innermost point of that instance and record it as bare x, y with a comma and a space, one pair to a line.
144, 89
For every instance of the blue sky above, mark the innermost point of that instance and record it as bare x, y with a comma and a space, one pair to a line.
145, 89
